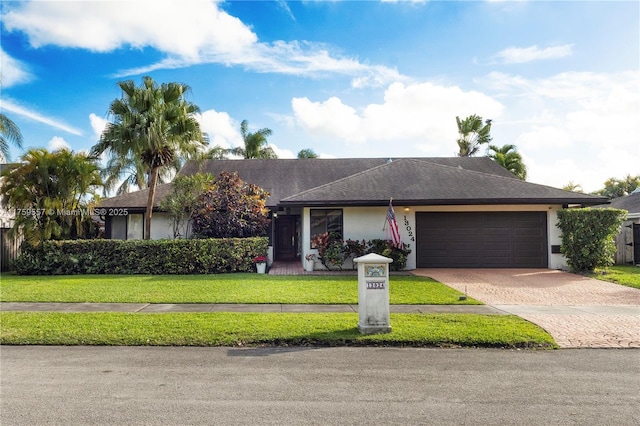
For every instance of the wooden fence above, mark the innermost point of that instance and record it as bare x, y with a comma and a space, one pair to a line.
9, 249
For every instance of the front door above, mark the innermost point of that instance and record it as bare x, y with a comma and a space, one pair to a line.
286, 247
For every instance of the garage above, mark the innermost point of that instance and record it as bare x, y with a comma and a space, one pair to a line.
481, 240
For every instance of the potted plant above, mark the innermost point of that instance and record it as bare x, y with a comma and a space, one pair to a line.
261, 264
310, 261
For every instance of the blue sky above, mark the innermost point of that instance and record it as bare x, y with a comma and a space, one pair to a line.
560, 80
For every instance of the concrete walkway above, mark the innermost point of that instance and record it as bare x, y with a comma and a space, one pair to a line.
227, 307
578, 312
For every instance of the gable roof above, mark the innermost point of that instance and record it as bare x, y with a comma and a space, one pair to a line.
372, 181
412, 181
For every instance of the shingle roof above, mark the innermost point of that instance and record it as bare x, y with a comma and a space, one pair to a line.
411, 181
283, 178
630, 203
137, 200
359, 181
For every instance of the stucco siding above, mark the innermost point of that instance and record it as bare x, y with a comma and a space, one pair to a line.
368, 223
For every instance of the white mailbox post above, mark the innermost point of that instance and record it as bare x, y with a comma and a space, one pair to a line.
373, 293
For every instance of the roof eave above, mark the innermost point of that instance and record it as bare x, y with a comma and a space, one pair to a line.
442, 202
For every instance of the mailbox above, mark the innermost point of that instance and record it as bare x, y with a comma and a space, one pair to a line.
373, 293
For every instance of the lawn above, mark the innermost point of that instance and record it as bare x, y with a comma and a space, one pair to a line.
238, 329
253, 329
224, 288
624, 275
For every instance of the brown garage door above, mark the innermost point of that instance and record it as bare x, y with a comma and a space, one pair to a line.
481, 240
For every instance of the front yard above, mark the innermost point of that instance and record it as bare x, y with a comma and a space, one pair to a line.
239, 329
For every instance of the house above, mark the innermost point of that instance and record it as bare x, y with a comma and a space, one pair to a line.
628, 239
453, 212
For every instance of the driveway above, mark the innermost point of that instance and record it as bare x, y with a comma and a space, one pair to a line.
577, 311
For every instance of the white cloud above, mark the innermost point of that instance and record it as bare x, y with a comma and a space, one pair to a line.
283, 152
98, 125
9, 105
57, 143
589, 118
200, 32
12, 71
104, 26
521, 55
420, 114
221, 128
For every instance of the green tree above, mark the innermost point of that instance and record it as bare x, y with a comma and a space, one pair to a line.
129, 173
216, 153
181, 203
307, 153
48, 191
571, 186
231, 208
472, 133
9, 133
255, 144
614, 188
154, 128
509, 158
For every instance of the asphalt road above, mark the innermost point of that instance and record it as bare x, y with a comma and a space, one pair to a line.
206, 386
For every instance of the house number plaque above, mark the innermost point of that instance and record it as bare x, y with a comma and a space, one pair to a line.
375, 285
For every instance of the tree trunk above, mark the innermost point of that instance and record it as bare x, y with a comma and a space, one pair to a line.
152, 195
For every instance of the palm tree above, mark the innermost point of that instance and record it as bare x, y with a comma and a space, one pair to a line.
307, 153
255, 144
9, 132
472, 133
509, 158
153, 127
571, 186
47, 189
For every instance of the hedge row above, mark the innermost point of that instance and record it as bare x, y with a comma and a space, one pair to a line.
588, 236
196, 256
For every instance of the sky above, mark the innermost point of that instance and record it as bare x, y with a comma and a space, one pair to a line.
560, 80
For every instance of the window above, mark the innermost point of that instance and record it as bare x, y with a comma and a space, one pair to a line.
329, 221
135, 227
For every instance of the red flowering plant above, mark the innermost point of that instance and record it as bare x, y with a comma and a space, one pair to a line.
260, 259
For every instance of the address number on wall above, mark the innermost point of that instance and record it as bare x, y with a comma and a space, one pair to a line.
375, 285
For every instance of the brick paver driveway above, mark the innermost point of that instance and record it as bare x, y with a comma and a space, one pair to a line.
577, 311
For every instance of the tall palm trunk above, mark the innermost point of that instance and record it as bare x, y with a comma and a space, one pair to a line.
150, 200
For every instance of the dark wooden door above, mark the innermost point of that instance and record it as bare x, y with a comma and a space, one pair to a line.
286, 238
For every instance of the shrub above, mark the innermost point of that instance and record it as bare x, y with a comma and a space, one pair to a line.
208, 256
387, 249
333, 252
330, 250
588, 236
231, 208
354, 248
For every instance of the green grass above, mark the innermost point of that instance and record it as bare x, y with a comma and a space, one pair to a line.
225, 288
624, 275
256, 329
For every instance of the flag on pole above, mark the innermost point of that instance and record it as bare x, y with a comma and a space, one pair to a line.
393, 233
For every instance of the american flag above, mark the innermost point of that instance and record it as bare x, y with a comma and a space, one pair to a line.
393, 233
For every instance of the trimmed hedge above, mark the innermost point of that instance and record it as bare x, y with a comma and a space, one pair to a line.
194, 256
588, 236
